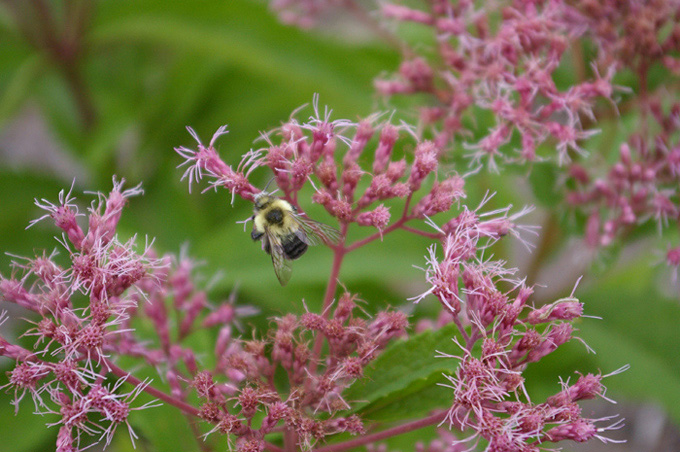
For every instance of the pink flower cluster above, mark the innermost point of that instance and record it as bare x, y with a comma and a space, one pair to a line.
487, 388
308, 406
88, 312
86, 315
299, 150
500, 58
494, 80
82, 310
498, 342
632, 34
292, 379
641, 186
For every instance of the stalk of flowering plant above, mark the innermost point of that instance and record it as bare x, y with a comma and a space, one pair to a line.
89, 310
325, 154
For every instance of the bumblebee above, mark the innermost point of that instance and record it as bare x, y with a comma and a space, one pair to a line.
286, 234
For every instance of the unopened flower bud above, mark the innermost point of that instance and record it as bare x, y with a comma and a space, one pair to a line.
579, 431
210, 412
388, 136
378, 217
426, 161
560, 310
418, 73
364, 133
312, 321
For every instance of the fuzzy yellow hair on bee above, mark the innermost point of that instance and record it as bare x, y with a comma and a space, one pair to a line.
285, 233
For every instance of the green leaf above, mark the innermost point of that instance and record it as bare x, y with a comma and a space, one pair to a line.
20, 85
403, 370
164, 428
243, 35
26, 431
413, 404
543, 180
20, 189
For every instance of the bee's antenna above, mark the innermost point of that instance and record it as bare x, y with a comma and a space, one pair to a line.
268, 183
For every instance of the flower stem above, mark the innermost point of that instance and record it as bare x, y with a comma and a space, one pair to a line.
338, 257
66, 50
550, 233
185, 407
461, 328
431, 235
394, 431
272, 448
289, 440
397, 224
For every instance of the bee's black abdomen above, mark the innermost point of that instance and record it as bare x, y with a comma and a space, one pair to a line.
293, 247
274, 216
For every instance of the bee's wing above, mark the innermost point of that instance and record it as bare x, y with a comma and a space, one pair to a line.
282, 266
314, 233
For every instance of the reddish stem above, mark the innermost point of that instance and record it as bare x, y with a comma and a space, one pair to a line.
550, 234
394, 431
339, 255
429, 235
117, 371
463, 333
396, 225
289, 440
67, 52
272, 448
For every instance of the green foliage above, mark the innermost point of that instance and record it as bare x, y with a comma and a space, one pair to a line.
27, 430
544, 182
163, 428
402, 378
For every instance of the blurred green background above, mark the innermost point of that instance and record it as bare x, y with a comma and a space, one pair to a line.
96, 89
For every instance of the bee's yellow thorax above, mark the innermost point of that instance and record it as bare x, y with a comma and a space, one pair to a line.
261, 221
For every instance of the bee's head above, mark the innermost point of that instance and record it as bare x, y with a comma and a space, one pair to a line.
262, 199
